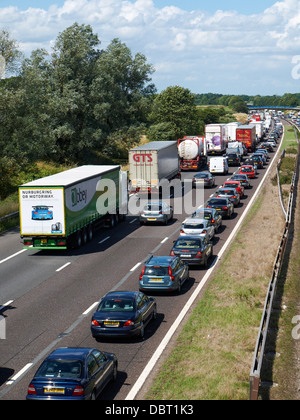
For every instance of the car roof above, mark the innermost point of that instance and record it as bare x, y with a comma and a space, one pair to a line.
160, 260
194, 220
121, 294
70, 353
189, 238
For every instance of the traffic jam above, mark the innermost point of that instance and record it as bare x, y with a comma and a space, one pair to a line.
82, 373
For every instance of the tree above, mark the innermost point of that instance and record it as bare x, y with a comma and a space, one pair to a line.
176, 105
10, 53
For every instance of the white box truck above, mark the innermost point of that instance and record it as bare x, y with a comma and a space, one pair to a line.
152, 163
62, 211
216, 138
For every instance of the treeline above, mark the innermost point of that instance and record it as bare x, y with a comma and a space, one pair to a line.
288, 99
81, 104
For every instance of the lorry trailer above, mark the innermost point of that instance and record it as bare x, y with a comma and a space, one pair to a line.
62, 211
247, 135
152, 163
216, 138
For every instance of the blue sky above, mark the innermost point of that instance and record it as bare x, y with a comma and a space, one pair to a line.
244, 7
220, 46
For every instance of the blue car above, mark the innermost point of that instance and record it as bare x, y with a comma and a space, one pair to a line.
73, 374
165, 274
41, 213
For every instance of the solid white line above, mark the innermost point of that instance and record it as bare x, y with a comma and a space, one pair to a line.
6, 304
103, 240
22, 371
150, 365
64, 266
12, 256
164, 240
136, 266
90, 308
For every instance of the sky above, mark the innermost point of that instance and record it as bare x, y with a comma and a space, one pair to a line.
219, 46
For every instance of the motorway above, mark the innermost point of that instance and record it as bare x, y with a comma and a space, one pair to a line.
47, 298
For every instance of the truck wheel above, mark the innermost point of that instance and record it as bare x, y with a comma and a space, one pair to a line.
84, 236
112, 221
90, 232
78, 240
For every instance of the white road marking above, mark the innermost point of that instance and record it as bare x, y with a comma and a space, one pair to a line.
12, 256
89, 309
136, 266
20, 373
63, 266
103, 240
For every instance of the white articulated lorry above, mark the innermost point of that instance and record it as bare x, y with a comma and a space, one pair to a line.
61, 211
151, 164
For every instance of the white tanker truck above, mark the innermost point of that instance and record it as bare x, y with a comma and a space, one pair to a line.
192, 153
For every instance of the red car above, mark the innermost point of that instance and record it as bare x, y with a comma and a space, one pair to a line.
235, 184
248, 170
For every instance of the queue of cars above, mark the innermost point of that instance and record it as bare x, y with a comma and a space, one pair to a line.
82, 373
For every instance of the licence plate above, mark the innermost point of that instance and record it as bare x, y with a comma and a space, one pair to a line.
156, 280
53, 390
112, 323
185, 255
218, 209
43, 241
151, 218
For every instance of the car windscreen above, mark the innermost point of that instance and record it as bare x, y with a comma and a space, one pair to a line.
203, 215
234, 185
61, 368
190, 243
226, 192
247, 169
202, 176
116, 305
156, 270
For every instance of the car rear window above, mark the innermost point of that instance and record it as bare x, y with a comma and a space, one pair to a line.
155, 270
193, 226
153, 207
190, 244
116, 305
218, 201
62, 368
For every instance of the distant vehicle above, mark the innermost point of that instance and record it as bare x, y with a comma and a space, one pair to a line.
223, 205
247, 135
192, 153
250, 161
216, 138
193, 250
152, 163
209, 214
164, 274
257, 160
123, 314
261, 155
237, 185
218, 165
233, 159
195, 227
243, 178
42, 213
157, 211
203, 178
248, 170
73, 374
231, 193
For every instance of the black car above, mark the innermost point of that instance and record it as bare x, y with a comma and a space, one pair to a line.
223, 205
233, 159
73, 373
203, 178
194, 250
210, 214
123, 314
256, 160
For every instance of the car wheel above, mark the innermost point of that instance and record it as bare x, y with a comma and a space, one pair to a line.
154, 314
115, 373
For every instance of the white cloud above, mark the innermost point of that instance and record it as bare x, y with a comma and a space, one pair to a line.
223, 50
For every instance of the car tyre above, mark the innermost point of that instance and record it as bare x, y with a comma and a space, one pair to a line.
142, 330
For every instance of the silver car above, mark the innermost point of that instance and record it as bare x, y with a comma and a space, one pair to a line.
230, 193
198, 227
156, 212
